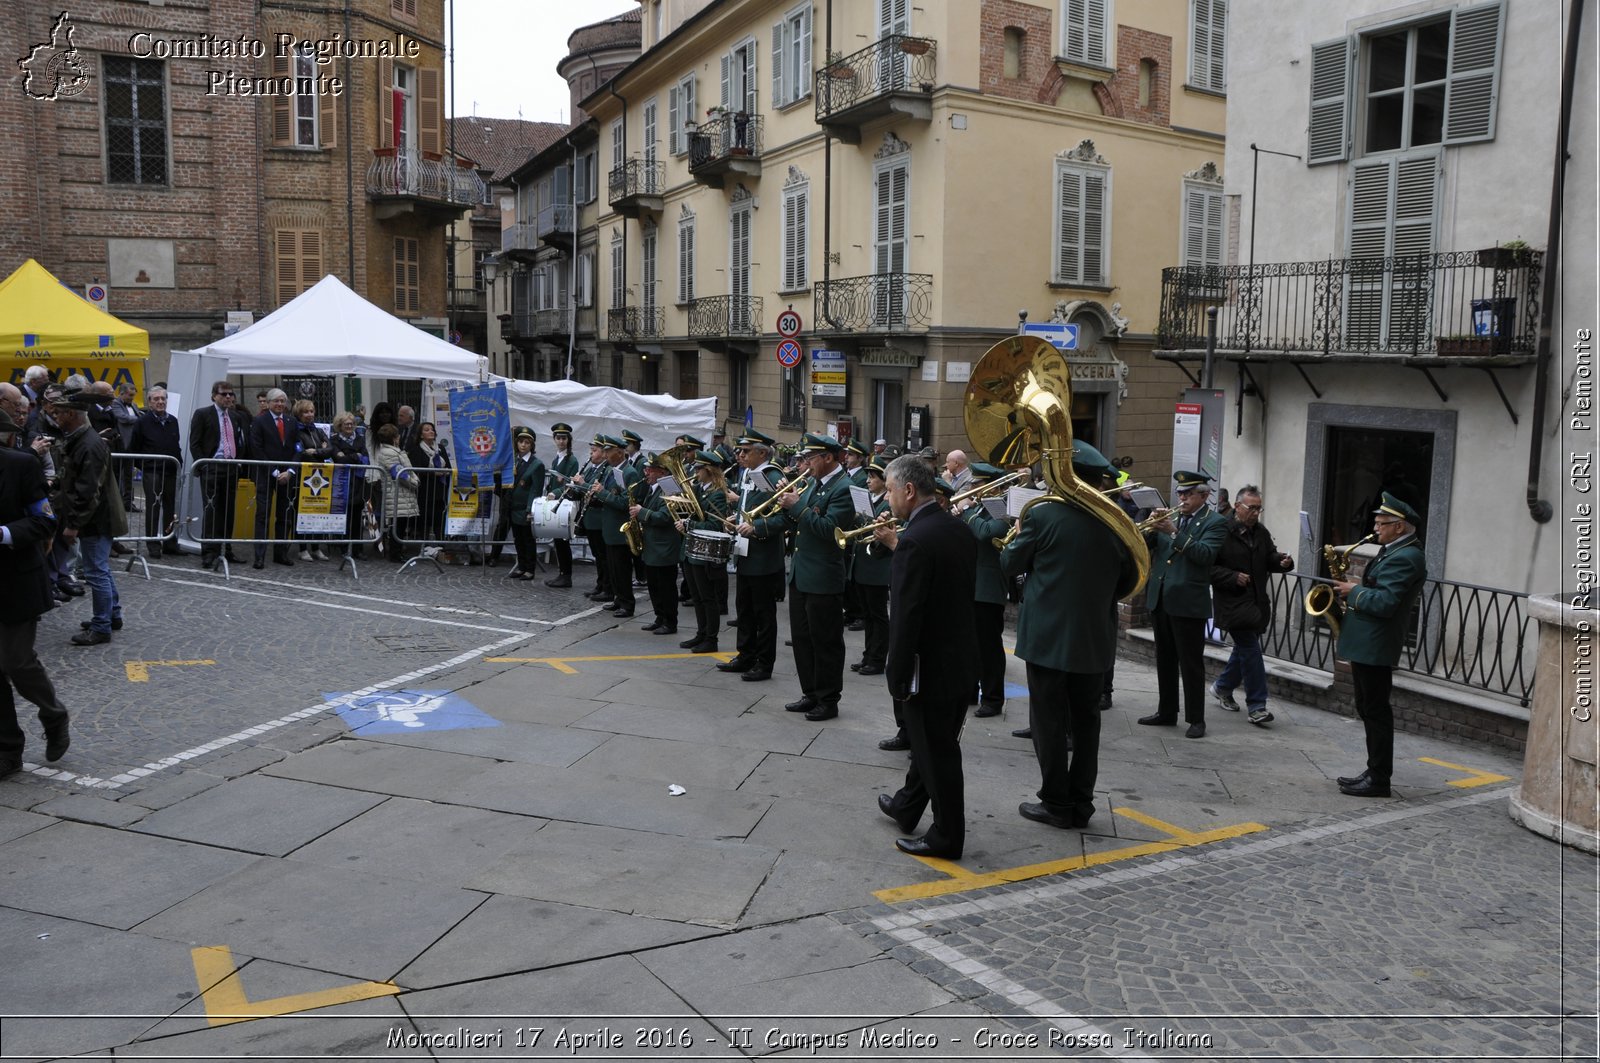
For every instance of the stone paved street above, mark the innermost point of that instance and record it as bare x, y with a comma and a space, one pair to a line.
427, 815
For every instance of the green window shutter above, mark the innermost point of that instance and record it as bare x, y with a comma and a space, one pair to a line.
1477, 35
1331, 74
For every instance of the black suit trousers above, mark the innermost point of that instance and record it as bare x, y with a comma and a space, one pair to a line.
602, 567
218, 484
816, 623
933, 726
989, 618
757, 598
1180, 651
160, 503
284, 503
1373, 682
1063, 705
663, 588
874, 603
20, 671
620, 562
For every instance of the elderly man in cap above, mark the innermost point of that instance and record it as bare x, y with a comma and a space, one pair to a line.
1182, 548
719, 444
817, 580
26, 523
760, 563
1377, 612
620, 487
563, 467
89, 509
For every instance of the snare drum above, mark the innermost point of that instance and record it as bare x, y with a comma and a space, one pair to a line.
712, 547
553, 518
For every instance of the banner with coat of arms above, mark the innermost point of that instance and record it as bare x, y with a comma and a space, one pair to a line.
480, 425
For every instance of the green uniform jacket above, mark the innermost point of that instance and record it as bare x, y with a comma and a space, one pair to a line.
765, 555
592, 511
1377, 612
991, 582
1077, 568
713, 503
818, 561
1180, 565
858, 477
567, 466
527, 485
663, 545
872, 561
613, 503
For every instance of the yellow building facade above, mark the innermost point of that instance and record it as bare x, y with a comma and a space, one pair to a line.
905, 181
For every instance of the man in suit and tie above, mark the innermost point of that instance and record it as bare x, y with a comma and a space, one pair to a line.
274, 438
817, 579
405, 419
217, 431
155, 435
1376, 615
930, 665
1182, 548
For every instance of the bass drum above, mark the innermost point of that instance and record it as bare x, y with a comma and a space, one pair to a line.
553, 518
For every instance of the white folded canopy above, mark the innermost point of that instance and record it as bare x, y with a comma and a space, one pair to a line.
659, 419
329, 329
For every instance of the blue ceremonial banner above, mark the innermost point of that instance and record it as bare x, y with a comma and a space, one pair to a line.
480, 424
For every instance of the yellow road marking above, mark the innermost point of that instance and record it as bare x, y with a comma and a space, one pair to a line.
223, 994
139, 671
1475, 776
564, 664
961, 879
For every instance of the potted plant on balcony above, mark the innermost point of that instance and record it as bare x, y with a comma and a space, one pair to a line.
914, 46
1465, 345
837, 68
1512, 254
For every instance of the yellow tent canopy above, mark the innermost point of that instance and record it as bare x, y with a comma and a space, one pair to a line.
44, 323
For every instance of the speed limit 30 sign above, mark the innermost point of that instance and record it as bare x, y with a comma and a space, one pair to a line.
789, 324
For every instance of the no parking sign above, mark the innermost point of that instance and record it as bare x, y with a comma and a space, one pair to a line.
788, 354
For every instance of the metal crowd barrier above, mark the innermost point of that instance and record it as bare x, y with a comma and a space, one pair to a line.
160, 478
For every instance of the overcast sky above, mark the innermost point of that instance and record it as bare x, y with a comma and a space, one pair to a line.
505, 61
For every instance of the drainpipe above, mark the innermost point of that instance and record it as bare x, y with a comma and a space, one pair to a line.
827, 194
1538, 508
572, 272
611, 87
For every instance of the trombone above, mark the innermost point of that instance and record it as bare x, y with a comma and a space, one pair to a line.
844, 538
798, 484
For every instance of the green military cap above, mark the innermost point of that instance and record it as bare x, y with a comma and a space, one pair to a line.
709, 457
944, 487
609, 441
1395, 507
1091, 461
520, 431
855, 447
875, 468
987, 471
653, 461
630, 436
753, 437
561, 428
812, 443
692, 441
1188, 480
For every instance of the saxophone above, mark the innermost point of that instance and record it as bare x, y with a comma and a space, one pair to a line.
632, 531
1320, 599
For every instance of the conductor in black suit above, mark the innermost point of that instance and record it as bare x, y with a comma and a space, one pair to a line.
275, 438
931, 667
209, 439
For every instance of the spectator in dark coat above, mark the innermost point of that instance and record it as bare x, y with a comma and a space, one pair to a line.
155, 435
1242, 606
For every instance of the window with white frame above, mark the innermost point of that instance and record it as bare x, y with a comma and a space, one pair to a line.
1202, 226
1084, 28
584, 182
305, 103
584, 284
680, 112
791, 57
619, 282
617, 156
1083, 221
649, 124
647, 267
1433, 80
739, 77
686, 259
1208, 35
796, 228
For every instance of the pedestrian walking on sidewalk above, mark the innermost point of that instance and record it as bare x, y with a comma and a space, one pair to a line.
1241, 604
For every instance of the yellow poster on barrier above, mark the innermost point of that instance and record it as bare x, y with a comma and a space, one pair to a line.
322, 504
461, 515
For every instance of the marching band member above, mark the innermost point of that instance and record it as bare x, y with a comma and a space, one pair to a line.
760, 567
816, 601
614, 494
564, 466
527, 484
589, 526
990, 597
711, 490
663, 548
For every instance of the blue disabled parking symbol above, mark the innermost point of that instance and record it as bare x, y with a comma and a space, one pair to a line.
409, 711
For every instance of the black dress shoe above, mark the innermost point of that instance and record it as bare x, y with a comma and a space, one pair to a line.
116, 624
1158, 720
651, 626
805, 704
1040, 814
597, 596
1105, 702
757, 675
688, 643
258, 564
895, 744
857, 666
738, 664
282, 561
1354, 780
607, 604
1366, 788
10, 766
704, 646
622, 614
870, 669
989, 708
923, 847
823, 712
56, 741
856, 625
208, 563
72, 588
90, 638
559, 581
1022, 732
886, 806
666, 629
1196, 730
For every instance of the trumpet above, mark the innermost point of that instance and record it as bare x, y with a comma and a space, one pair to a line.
1322, 600
798, 485
844, 538
994, 486
1155, 517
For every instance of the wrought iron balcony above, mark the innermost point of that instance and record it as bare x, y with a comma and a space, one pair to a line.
725, 143
1454, 304
636, 187
520, 241
893, 75
879, 302
554, 224
537, 325
466, 300
720, 316
635, 322
403, 182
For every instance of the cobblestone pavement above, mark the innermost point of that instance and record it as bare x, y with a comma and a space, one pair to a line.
219, 838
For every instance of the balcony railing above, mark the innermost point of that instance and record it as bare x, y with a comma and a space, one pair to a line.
635, 322
397, 173
532, 324
1454, 303
466, 300
635, 179
725, 315
1460, 633
555, 220
519, 236
890, 66
723, 138
880, 301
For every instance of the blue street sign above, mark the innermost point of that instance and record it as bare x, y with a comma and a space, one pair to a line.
1062, 337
